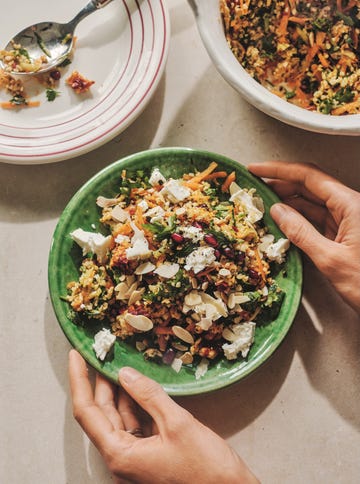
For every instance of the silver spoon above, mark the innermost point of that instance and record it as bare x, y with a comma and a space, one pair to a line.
50, 39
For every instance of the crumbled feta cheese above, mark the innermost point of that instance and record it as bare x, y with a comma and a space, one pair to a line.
180, 211
156, 177
119, 214
122, 238
143, 205
193, 233
199, 259
242, 337
103, 342
139, 250
156, 214
254, 209
176, 364
92, 242
140, 246
265, 241
202, 368
277, 250
175, 191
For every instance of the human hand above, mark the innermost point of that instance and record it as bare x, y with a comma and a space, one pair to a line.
170, 445
322, 217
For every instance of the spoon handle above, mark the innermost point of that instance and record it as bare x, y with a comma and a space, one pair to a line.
91, 7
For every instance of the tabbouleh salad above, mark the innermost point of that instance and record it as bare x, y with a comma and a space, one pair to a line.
306, 52
185, 274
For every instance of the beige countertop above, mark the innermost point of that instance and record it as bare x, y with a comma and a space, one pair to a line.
295, 420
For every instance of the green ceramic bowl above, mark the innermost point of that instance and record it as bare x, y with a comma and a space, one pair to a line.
65, 257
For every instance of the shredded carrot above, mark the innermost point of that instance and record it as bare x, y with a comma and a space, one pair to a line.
29, 104
289, 22
347, 108
320, 38
260, 265
230, 178
299, 20
311, 54
202, 175
124, 229
217, 174
139, 219
323, 61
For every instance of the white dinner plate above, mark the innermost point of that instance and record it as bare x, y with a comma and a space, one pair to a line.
122, 47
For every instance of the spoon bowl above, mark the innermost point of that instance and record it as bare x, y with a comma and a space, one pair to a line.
50, 42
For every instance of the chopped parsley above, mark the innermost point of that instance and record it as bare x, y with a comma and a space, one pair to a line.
51, 94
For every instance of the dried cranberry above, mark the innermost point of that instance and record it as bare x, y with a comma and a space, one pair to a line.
229, 253
177, 238
217, 253
211, 240
240, 257
253, 274
198, 225
56, 74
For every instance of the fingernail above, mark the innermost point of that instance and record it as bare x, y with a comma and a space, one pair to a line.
278, 210
128, 375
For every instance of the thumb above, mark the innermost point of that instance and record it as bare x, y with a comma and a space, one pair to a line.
302, 233
150, 396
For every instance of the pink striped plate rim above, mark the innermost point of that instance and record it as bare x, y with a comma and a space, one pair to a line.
122, 47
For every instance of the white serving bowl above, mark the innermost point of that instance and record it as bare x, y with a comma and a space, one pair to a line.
208, 17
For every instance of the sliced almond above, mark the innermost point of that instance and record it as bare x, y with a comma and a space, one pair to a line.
183, 334
187, 358
144, 268
204, 323
136, 296
139, 322
211, 312
167, 270
131, 289
236, 298
231, 301
121, 291
106, 202
242, 298
192, 299
179, 347
220, 306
